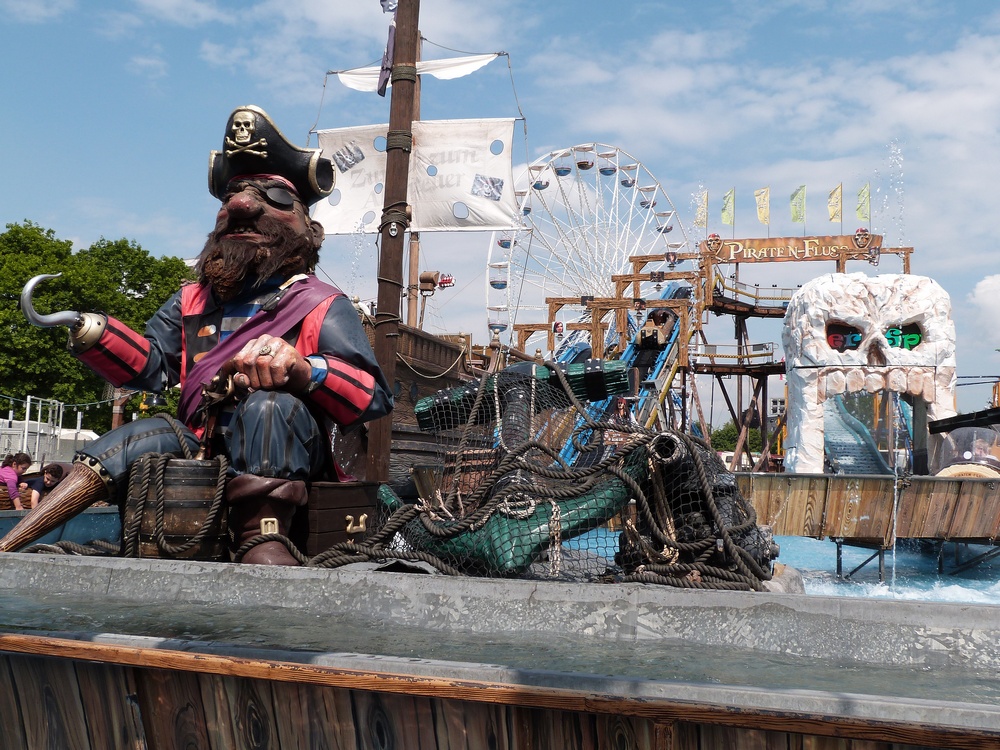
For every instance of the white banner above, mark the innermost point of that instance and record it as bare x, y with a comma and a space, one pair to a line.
459, 179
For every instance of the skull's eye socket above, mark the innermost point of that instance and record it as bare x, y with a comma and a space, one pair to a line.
842, 337
280, 198
904, 337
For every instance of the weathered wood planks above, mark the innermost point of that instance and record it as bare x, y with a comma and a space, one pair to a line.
875, 509
68, 703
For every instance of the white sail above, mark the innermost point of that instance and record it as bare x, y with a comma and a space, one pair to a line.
460, 177
366, 79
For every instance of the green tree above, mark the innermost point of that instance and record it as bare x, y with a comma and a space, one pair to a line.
724, 438
116, 277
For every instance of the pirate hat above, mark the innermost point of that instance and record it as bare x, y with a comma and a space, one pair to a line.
253, 145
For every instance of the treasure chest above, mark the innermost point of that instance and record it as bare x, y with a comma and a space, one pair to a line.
336, 512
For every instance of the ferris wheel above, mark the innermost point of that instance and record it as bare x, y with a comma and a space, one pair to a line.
583, 212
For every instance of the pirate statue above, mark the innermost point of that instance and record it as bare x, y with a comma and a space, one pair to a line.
298, 358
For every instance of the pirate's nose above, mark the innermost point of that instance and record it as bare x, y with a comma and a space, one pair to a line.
245, 201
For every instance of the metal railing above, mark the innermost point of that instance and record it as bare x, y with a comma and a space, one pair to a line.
755, 294
733, 354
40, 434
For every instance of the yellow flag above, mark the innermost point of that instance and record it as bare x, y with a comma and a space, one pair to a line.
799, 205
701, 209
835, 202
728, 207
865, 202
763, 198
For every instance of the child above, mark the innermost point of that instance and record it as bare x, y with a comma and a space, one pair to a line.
14, 465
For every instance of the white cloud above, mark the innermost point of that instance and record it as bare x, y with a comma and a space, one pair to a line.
148, 66
35, 11
188, 12
116, 25
985, 300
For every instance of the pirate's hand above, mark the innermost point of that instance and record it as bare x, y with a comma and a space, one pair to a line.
271, 364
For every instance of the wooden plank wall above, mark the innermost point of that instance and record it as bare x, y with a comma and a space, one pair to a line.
48, 702
867, 507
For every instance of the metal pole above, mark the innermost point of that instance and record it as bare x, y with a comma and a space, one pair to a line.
27, 419
393, 229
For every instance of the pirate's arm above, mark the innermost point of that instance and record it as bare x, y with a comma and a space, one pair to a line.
106, 345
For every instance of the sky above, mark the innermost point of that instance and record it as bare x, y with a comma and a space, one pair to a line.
109, 111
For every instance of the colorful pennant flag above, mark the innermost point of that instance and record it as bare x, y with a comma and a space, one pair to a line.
763, 198
729, 207
799, 205
835, 202
865, 202
701, 209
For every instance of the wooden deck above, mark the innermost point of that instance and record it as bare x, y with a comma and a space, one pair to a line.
876, 509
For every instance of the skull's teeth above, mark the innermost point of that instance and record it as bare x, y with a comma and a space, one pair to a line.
916, 381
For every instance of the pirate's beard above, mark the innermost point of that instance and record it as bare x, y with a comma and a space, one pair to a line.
232, 264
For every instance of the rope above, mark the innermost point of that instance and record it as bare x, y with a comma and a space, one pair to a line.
148, 478
689, 545
261, 539
403, 72
451, 367
399, 139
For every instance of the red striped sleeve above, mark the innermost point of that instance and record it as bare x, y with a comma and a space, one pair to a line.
346, 391
119, 355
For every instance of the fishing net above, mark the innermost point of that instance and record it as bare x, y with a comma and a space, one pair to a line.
545, 474
540, 471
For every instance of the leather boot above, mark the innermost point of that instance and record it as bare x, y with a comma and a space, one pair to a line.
82, 487
263, 505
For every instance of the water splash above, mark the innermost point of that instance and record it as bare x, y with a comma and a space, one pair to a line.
698, 207
887, 198
897, 188
359, 244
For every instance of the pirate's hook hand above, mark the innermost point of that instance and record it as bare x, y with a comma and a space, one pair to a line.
85, 329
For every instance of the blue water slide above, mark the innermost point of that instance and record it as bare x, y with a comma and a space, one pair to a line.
849, 445
599, 410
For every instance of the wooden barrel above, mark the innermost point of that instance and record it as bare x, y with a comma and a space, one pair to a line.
189, 490
7, 504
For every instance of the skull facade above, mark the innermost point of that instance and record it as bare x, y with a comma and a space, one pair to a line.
244, 123
848, 333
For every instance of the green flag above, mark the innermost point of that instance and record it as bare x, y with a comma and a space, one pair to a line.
865, 202
728, 207
833, 203
799, 205
763, 198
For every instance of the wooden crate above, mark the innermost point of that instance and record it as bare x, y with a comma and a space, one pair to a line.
333, 510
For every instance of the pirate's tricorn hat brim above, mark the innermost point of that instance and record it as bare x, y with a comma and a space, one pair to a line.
253, 145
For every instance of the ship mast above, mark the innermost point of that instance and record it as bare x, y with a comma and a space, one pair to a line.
395, 220
413, 256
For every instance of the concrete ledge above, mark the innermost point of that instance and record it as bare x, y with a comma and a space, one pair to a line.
888, 633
